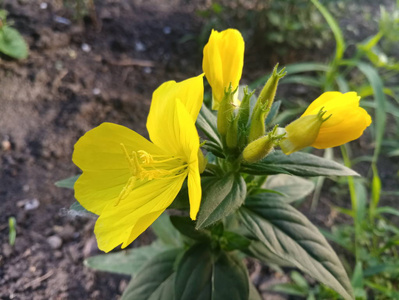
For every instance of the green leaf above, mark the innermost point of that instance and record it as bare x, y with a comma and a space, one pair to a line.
273, 112
289, 188
206, 121
235, 241
203, 275
187, 228
260, 251
220, 198
67, 183
12, 43
164, 230
253, 293
302, 80
298, 163
293, 69
155, 281
127, 262
387, 210
292, 237
77, 209
379, 96
290, 289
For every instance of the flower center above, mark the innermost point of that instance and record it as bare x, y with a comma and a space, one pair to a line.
145, 167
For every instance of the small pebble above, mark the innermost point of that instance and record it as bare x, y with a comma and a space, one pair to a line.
86, 47
6, 145
29, 204
55, 242
167, 30
62, 20
43, 5
96, 91
139, 46
147, 70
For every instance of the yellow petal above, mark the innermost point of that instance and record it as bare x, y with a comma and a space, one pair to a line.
105, 169
321, 101
223, 61
190, 92
347, 121
123, 223
351, 128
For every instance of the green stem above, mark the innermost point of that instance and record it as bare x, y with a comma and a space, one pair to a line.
352, 193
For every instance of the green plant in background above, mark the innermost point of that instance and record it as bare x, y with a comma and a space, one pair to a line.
271, 25
373, 240
239, 206
11, 41
81, 9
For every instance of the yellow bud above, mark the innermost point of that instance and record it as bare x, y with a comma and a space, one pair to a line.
223, 62
346, 122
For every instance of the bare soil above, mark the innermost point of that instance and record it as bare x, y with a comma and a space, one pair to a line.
77, 76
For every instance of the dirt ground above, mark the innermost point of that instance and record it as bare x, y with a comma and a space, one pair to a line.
77, 76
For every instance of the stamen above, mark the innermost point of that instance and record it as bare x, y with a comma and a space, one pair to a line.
144, 166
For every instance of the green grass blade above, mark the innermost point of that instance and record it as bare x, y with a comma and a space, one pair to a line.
379, 96
293, 69
339, 38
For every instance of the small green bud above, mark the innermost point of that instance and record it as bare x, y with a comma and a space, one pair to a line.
257, 128
269, 90
263, 104
261, 147
226, 111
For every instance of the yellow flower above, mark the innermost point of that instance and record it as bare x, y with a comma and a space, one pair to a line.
129, 181
331, 120
223, 62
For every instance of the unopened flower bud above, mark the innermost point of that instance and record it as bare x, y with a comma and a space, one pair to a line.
345, 122
268, 92
261, 147
264, 103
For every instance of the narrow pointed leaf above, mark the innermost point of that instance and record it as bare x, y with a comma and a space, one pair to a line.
298, 163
